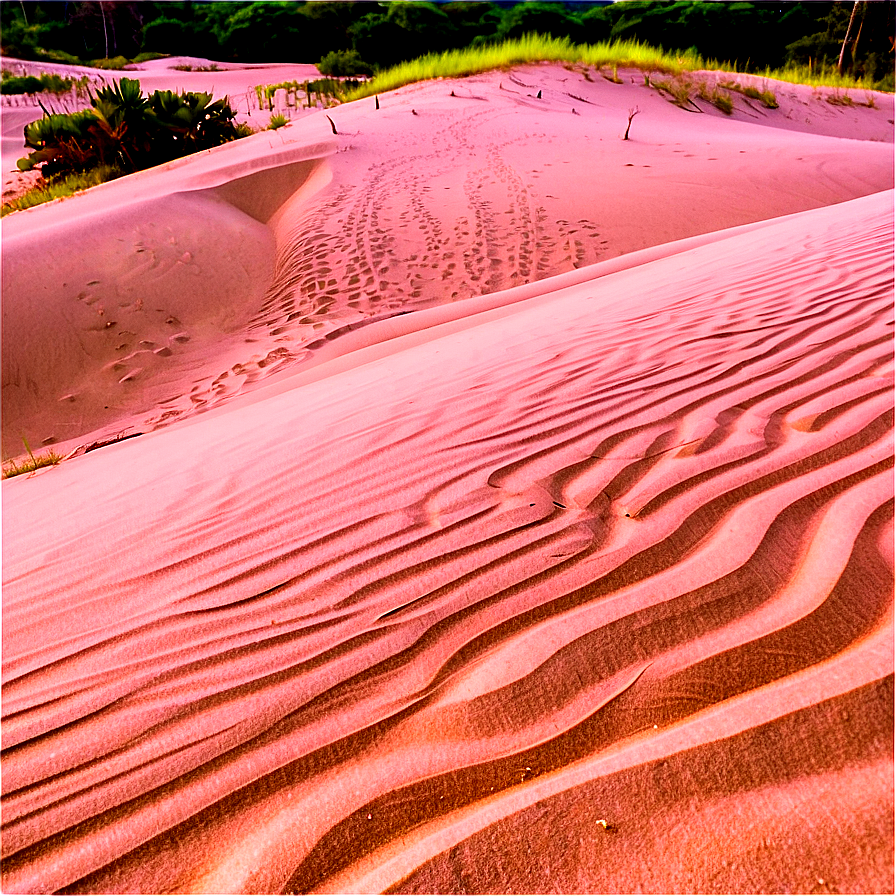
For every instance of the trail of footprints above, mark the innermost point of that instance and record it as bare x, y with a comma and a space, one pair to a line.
403, 241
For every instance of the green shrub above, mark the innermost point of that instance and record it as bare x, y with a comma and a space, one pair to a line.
61, 56
127, 131
43, 84
277, 121
20, 84
116, 63
342, 63
148, 57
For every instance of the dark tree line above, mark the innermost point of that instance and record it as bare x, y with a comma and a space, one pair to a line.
857, 36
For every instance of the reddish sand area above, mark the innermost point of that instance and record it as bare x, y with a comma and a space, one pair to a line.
512, 507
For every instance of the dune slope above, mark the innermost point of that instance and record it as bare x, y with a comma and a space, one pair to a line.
450, 190
592, 591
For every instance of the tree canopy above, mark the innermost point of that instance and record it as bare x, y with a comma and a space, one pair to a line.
753, 34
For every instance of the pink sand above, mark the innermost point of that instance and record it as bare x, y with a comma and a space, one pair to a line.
576, 578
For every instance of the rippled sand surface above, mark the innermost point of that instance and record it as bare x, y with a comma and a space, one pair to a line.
576, 577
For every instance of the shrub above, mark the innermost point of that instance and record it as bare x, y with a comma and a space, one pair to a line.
148, 57
43, 84
277, 121
342, 63
127, 131
20, 84
116, 63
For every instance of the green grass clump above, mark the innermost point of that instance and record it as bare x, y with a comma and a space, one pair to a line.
721, 101
839, 99
116, 63
816, 76
766, 97
50, 459
47, 192
530, 48
148, 57
44, 83
619, 53
277, 121
677, 88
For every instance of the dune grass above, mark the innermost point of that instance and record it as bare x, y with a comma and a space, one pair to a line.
816, 76
43, 83
34, 462
47, 192
766, 97
540, 48
530, 48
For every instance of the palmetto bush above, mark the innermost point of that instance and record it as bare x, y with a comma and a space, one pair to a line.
183, 123
126, 131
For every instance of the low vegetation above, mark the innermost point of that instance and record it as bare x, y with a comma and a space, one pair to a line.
533, 48
277, 122
712, 94
848, 38
766, 97
34, 462
123, 131
323, 91
45, 191
527, 49
344, 63
197, 68
44, 83
127, 131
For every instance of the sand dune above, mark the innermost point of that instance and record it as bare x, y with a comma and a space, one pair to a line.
581, 584
476, 193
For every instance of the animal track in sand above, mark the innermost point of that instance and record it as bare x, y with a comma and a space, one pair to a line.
399, 241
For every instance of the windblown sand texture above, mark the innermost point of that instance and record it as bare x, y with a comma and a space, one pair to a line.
513, 510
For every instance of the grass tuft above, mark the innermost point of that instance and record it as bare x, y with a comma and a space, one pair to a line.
839, 99
766, 97
677, 88
47, 192
34, 462
721, 101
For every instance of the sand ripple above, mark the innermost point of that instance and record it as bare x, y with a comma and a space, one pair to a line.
502, 609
